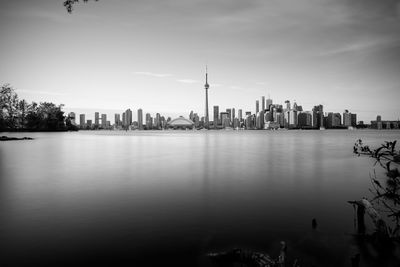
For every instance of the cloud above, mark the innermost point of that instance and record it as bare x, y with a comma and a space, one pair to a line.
158, 75
362, 45
187, 81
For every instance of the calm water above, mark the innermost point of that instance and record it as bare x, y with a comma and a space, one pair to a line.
142, 198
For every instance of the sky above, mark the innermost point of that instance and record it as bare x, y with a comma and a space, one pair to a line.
112, 55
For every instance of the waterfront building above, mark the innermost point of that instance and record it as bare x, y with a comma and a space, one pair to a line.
260, 120
229, 111
380, 124
140, 119
249, 122
96, 119
304, 119
287, 104
206, 118
333, 120
89, 124
286, 118
353, 119
346, 118
181, 123
263, 103
72, 118
104, 120
225, 119
128, 117
233, 115
124, 119
318, 116
196, 120
149, 121
216, 119
257, 106
293, 117
117, 119
270, 125
269, 103
236, 123
240, 115
157, 121
82, 120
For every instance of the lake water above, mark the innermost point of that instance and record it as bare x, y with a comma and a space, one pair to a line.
170, 197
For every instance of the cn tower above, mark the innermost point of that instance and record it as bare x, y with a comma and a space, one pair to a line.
206, 118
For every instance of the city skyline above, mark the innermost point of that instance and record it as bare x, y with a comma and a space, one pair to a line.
152, 55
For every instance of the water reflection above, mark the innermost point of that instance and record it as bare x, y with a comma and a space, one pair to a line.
110, 196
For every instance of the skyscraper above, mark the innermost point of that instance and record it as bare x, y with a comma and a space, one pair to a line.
117, 119
240, 115
263, 103
233, 114
82, 120
269, 102
140, 118
128, 117
216, 112
346, 118
257, 106
206, 118
104, 120
96, 119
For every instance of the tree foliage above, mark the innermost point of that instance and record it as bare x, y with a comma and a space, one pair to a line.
18, 115
386, 191
68, 4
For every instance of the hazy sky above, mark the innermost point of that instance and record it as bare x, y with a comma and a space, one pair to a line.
119, 54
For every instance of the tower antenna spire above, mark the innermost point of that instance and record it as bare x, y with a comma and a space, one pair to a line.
206, 86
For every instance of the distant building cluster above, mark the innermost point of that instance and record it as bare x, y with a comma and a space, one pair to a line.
267, 116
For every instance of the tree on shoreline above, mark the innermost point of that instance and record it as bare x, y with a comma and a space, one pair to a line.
18, 115
386, 191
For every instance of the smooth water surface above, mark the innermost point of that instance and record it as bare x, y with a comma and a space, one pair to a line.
170, 197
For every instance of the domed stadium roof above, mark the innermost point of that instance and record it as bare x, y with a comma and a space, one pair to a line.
181, 121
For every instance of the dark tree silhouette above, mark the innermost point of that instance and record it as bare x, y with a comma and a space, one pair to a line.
70, 3
386, 191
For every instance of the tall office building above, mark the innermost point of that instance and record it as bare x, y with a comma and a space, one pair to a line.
96, 119
128, 117
257, 106
157, 121
263, 103
269, 102
233, 114
124, 119
149, 121
206, 118
346, 118
229, 111
117, 119
287, 102
318, 116
82, 120
225, 119
104, 120
140, 118
293, 118
216, 112
353, 119
240, 114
